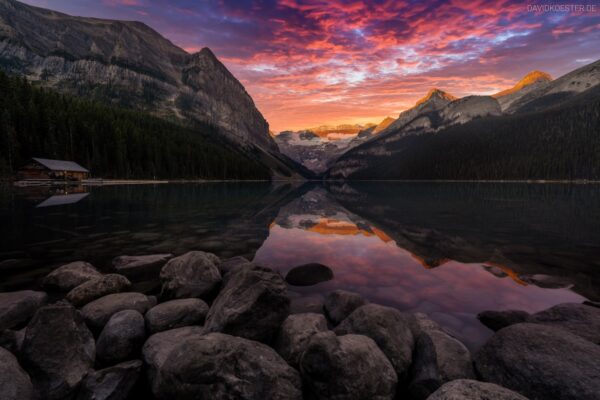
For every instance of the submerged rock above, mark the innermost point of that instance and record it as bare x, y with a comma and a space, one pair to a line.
295, 333
219, 366
98, 312
306, 304
18, 307
340, 303
309, 274
541, 362
496, 320
58, 350
578, 319
122, 338
112, 383
71, 275
194, 274
347, 367
466, 389
96, 288
176, 314
389, 328
14, 382
252, 305
138, 266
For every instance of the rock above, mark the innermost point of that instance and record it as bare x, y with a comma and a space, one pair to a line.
12, 340
113, 383
18, 307
98, 312
122, 338
58, 350
140, 266
295, 334
96, 288
233, 264
424, 323
14, 382
579, 319
389, 328
71, 275
496, 320
454, 359
546, 281
306, 304
176, 314
347, 367
424, 373
157, 348
219, 366
340, 303
592, 303
252, 305
194, 274
466, 389
541, 362
309, 274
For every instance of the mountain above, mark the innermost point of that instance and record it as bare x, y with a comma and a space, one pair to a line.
530, 82
129, 64
383, 125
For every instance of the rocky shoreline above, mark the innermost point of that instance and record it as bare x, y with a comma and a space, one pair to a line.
225, 329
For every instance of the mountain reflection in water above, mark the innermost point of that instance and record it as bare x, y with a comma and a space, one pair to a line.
449, 250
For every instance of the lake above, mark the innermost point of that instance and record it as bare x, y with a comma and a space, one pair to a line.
450, 250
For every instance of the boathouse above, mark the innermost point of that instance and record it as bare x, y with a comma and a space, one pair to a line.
45, 169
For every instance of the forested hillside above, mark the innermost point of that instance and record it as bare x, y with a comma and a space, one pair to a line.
110, 141
560, 143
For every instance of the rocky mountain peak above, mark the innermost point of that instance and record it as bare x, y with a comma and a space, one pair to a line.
383, 124
436, 94
534, 77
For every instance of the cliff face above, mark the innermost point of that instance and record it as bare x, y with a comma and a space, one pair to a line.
130, 64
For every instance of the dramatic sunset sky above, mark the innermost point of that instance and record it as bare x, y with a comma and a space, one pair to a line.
314, 62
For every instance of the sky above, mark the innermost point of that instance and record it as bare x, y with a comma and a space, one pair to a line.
316, 62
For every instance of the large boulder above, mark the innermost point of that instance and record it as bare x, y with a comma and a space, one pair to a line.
194, 274
578, 319
98, 312
14, 382
347, 367
389, 328
12, 340
252, 304
295, 333
233, 264
309, 274
122, 338
466, 389
424, 372
98, 287
340, 303
176, 314
219, 366
496, 320
140, 266
57, 351
71, 275
18, 307
112, 383
541, 362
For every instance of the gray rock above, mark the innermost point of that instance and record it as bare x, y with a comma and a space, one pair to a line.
194, 274
14, 382
466, 389
98, 312
122, 338
541, 362
18, 307
12, 340
71, 275
578, 319
176, 314
138, 266
340, 303
496, 320
98, 287
295, 334
58, 350
219, 366
233, 264
424, 372
309, 274
389, 328
347, 367
306, 304
112, 383
158, 347
252, 304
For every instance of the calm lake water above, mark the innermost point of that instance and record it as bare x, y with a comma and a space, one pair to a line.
449, 250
